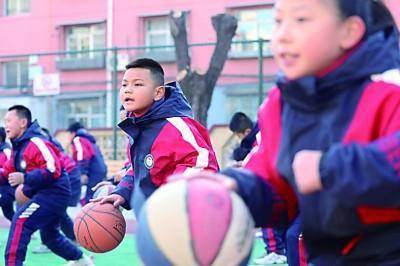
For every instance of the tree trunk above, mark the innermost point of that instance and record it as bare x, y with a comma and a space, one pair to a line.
197, 87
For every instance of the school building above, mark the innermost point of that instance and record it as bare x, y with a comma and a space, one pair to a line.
43, 63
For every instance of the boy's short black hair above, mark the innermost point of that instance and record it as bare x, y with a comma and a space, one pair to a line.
240, 122
155, 68
74, 127
2, 134
23, 112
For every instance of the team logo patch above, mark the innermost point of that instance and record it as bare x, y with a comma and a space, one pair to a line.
149, 161
23, 165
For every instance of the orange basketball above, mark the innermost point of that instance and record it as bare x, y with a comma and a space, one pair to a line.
99, 227
20, 197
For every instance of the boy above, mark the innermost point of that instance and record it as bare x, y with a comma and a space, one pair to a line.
164, 138
88, 156
72, 171
6, 191
274, 238
35, 163
242, 126
330, 133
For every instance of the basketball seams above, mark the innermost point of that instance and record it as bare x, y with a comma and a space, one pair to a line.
105, 229
193, 248
87, 229
112, 214
227, 229
93, 242
81, 217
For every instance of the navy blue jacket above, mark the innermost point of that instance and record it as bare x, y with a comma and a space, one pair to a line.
88, 156
39, 160
164, 141
246, 145
352, 114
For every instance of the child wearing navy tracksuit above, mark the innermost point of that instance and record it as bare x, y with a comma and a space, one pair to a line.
164, 138
35, 163
72, 171
6, 191
88, 157
330, 133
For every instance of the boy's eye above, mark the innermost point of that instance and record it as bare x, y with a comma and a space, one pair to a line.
301, 19
138, 84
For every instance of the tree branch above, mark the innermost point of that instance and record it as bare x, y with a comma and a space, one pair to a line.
225, 26
177, 22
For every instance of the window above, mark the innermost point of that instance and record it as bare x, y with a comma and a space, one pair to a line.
85, 37
16, 74
89, 111
157, 32
16, 7
253, 24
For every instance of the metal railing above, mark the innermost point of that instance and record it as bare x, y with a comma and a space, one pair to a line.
107, 61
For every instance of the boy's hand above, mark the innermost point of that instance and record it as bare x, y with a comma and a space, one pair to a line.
115, 199
223, 179
306, 171
16, 178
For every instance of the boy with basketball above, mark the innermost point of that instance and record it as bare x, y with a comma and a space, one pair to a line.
330, 133
164, 138
35, 163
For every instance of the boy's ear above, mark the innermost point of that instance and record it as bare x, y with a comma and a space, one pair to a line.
159, 93
353, 32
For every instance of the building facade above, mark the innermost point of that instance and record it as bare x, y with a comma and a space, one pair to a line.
39, 68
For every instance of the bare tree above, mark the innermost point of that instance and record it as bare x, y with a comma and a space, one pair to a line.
199, 87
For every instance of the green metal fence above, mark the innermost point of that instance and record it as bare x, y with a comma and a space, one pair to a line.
92, 72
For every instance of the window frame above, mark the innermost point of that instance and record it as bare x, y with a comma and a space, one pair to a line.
78, 41
89, 117
18, 8
19, 76
166, 31
238, 49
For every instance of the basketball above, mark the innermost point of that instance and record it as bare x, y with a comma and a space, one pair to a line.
99, 227
194, 222
103, 191
20, 197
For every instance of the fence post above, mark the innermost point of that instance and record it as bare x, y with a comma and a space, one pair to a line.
115, 99
260, 72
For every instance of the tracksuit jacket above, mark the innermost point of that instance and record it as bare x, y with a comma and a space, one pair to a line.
164, 141
352, 114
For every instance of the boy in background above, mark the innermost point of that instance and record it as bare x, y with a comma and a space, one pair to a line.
35, 162
88, 157
274, 238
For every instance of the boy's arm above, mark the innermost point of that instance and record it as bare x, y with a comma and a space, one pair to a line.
191, 147
82, 153
43, 166
364, 175
7, 168
256, 194
125, 190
